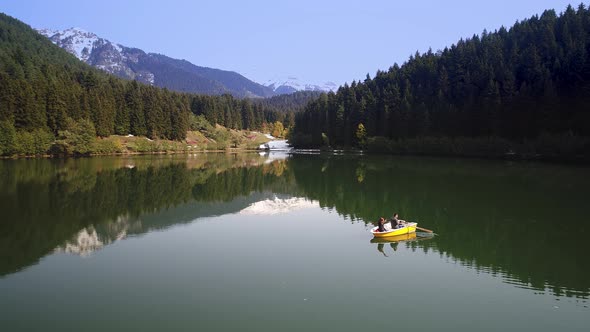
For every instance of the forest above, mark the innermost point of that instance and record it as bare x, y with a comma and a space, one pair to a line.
525, 88
50, 102
519, 91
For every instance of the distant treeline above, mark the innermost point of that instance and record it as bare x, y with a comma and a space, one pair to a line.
47, 95
252, 113
520, 84
233, 113
290, 102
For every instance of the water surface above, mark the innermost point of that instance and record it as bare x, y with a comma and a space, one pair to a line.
242, 241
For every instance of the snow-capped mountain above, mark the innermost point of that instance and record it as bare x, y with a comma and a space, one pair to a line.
73, 40
292, 84
151, 68
101, 53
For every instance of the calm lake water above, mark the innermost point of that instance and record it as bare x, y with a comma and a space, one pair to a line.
224, 242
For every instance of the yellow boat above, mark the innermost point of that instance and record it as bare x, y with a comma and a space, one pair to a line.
409, 227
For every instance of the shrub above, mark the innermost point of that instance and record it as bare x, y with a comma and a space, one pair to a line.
37, 142
78, 138
142, 145
199, 122
221, 136
7, 138
42, 141
25, 143
169, 146
107, 145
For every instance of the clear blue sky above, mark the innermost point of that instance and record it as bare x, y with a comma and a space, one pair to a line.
316, 41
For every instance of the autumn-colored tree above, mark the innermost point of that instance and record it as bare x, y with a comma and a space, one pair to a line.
277, 129
361, 135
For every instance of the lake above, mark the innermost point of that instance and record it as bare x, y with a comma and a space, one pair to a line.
223, 242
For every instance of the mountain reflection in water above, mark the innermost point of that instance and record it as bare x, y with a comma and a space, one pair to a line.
522, 222
277, 206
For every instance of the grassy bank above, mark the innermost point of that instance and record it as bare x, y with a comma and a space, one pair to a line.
73, 143
223, 139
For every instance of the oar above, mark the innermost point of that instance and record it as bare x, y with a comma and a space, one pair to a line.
424, 229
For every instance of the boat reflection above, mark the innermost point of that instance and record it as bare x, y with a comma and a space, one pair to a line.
394, 241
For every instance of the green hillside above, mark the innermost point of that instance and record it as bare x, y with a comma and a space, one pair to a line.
50, 102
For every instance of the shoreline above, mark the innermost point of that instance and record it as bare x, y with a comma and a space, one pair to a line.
555, 159
123, 154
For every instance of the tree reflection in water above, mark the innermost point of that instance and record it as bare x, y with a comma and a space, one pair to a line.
494, 217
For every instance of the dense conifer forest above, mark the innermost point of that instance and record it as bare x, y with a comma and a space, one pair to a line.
295, 101
526, 87
51, 101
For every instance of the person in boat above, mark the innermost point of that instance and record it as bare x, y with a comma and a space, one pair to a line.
396, 222
381, 224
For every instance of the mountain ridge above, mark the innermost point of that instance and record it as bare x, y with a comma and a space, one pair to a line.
166, 72
153, 68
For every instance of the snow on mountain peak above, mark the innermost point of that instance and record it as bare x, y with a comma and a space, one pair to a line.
77, 41
47, 32
97, 51
292, 84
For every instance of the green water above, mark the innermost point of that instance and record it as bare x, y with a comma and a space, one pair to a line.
224, 242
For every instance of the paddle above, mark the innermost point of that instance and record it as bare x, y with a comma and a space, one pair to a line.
424, 229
